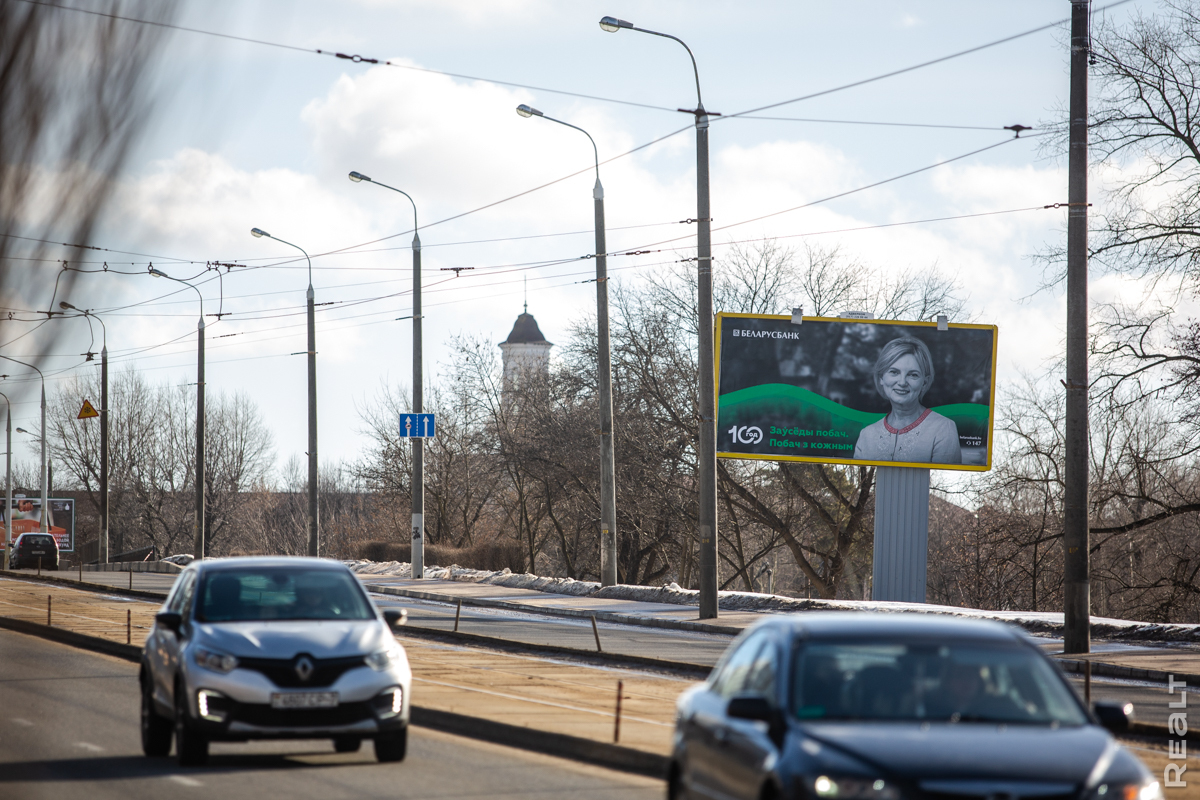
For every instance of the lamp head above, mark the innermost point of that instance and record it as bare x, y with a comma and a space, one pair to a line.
22, 430
158, 273
528, 111
65, 306
358, 177
258, 233
612, 24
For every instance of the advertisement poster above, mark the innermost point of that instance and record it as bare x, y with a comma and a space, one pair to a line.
27, 518
852, 391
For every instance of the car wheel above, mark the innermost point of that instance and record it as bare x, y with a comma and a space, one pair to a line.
156, 731
347, 744
191, 748
390, 747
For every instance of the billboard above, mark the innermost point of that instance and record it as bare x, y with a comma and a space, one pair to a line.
27, 518
851, 391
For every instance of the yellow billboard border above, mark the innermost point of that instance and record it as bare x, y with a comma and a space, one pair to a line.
849, 461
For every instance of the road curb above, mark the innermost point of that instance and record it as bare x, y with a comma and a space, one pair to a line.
83, 641
99, 588
601, 616
611, 756
1103, 669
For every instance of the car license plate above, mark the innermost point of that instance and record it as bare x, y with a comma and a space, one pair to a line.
304, 699
38, 552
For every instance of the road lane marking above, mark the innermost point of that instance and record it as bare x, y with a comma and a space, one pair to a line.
185, 781
24, 722
91, 748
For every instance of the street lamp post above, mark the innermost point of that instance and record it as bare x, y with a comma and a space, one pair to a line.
608, 479
103, 554
44, 526
314, 511
198, 533
706, 455
418, 445
8, 484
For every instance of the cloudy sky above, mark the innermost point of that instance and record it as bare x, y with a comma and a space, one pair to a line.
256, 135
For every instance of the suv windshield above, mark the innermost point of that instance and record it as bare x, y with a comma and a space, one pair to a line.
280, 593
969, 682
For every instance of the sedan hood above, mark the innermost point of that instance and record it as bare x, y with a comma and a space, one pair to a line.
318, 638
968, 750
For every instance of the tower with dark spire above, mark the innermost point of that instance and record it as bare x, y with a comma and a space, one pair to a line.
525, 351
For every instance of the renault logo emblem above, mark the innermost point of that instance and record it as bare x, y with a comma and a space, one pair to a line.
304, 668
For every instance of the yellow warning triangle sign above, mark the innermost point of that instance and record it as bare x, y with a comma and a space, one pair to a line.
88, 411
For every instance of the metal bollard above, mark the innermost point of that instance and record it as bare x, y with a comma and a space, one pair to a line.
596, 633
39, 566
81, 569
457, 614
1087, 682
131, 580
49, 601
128, 626
617, 722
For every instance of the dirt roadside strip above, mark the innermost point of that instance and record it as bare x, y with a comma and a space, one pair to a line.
521, 700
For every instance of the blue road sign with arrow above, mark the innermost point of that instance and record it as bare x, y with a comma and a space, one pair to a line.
417, 426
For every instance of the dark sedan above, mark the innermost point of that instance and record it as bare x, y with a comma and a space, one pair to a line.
895, 706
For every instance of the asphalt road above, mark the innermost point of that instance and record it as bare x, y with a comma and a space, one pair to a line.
69, 726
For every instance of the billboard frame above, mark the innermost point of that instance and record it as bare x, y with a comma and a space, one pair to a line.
986, 466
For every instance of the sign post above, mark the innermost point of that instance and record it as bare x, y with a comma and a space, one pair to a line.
417, 426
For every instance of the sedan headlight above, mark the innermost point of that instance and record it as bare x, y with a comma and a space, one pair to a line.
1150, 790
855, 788
383, 659
217, 662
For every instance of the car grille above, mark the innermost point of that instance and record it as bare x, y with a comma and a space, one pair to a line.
982, 790
264, 716
282, 671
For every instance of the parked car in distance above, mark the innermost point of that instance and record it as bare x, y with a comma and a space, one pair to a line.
29, 548
273, 648
859, 706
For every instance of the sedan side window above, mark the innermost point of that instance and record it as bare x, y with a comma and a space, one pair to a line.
736, 673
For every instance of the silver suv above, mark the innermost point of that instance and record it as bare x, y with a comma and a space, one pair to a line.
273, 648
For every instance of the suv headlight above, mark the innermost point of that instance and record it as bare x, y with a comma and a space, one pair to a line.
217, 662
1150, 790
383, 659
855, 788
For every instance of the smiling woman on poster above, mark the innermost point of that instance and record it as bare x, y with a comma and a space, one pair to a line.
910, 432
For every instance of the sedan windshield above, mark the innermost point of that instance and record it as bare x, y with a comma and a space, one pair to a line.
969, 682
280, 593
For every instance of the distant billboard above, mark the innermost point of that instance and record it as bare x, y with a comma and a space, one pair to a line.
850, 391
27, 518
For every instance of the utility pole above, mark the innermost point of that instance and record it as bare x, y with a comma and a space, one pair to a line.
104, 543
417, 560
198, 534
706, 452
1076, 586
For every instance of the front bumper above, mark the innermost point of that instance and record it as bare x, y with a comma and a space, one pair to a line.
243, 721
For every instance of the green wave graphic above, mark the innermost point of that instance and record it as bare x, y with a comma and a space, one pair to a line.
785, 406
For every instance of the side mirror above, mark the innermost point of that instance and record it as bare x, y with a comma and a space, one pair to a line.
1115, 717
750, 707
395, 617
171, 620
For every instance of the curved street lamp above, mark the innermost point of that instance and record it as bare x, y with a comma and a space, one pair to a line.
418, 445
198, 533
608, 479
706, 446
314, 509
89, 316
45, 521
